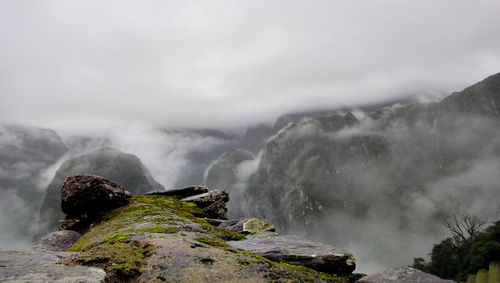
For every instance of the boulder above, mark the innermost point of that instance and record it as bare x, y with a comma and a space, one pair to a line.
299, 251
402, 274
248, 225
212, 202
182, 193
86, 197
58, 240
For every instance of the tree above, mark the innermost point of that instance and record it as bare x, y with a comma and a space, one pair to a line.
464, 226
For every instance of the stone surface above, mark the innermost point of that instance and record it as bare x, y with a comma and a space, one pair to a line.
58, 241
403, 274
248, 225
205, 199
212, 202
299, 251
87, 196
182, 193
165, 242
41, 266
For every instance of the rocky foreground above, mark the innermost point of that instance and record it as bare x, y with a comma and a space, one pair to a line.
175, 236
163, 236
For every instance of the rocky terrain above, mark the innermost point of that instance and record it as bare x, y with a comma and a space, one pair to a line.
166, 236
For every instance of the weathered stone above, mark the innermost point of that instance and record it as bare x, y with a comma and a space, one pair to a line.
58, 241
41, 266
88, 196
403, 274
182, 193
248, 225
212, 202
217, 209
206, 199
299, 251
73, 224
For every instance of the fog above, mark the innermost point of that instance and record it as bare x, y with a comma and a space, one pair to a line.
93, 65
379, 191
147, 77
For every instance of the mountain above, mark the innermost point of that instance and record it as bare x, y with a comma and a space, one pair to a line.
392, 175
110, 163
26, 153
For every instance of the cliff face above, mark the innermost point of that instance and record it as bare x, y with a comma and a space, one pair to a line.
393, 174
25, 155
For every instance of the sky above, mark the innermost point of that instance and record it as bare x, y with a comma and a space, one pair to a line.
92, 65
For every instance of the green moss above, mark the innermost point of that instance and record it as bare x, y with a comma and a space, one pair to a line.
122, 260
79, 245
159, 229
191, 204
300, 268
117, 237
213, 243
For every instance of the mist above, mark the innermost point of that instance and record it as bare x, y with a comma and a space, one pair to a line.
380, 188
95, 65
178, 84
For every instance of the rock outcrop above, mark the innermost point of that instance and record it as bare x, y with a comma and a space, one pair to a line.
151, 238
125, 169
212, 202
58, 240
402, 275
182, 193
160, 238
248, 225
84, 198
299, 251
89, 196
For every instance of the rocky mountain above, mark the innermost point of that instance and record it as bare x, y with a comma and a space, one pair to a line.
394, 174
25, 155
110, 163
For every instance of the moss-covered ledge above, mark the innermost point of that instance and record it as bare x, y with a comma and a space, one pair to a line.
160, 238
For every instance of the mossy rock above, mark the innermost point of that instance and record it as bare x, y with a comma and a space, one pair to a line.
159, 238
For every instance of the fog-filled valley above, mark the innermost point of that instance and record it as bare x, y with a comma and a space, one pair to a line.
360, 125
374, 183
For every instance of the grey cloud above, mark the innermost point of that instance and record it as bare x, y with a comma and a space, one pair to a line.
98, 64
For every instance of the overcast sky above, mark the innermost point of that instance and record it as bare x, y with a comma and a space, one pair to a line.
93, 64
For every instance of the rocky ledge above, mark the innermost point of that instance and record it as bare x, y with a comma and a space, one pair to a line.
155, 238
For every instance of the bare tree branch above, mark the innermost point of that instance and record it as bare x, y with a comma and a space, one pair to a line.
464, 226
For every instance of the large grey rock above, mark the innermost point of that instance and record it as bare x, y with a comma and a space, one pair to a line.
41, 266
182, 193
125, 169
402, 275
58, 240
87, 196
299, 251
212, 202
248, 225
